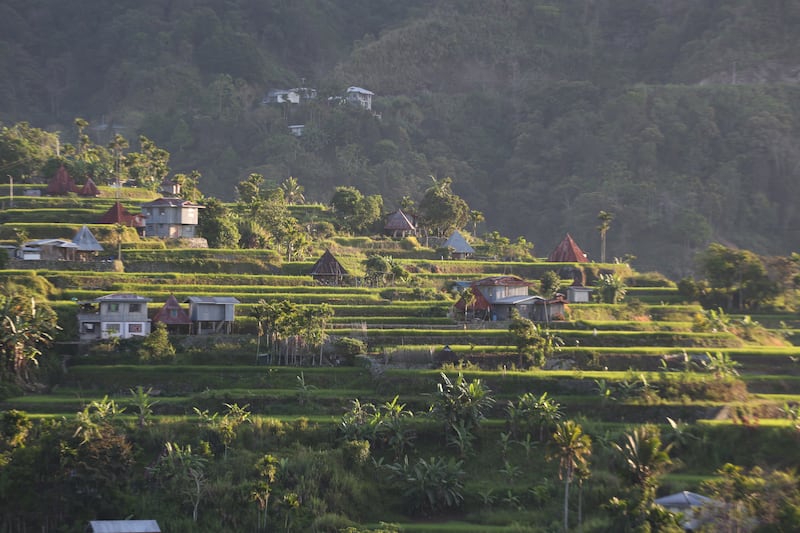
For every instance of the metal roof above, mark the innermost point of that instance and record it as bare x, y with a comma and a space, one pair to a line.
212, 300
124, 526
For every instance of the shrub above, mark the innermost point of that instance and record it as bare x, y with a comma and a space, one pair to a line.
347, 348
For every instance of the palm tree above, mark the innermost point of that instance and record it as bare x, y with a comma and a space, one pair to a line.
117, 145
572, 448
605, 219
293, 191
643, 460
476, 217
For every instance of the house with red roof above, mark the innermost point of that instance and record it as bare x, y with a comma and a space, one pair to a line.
61, 183
117, 214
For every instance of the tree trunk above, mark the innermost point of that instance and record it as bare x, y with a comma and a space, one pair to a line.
566, 500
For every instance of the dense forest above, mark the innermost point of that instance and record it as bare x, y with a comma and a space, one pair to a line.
679, 117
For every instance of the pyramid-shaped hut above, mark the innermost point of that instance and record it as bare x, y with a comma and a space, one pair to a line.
568, 251
61, 183
174, 317
87, 245
328, 270
459, 246
89, 189
117, 214
398, 224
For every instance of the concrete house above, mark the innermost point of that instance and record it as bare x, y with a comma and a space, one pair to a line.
359, 96
212, 314
120, 315
171, 218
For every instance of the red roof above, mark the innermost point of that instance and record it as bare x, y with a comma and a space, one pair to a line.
568, 252
89, 189
172, 313
119, 215
61, 183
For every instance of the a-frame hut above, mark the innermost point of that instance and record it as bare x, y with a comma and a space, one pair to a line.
568, 251
328, 270
87, 245
61, 183
459, 246
117, 214
398, 224
174, 317
89, 189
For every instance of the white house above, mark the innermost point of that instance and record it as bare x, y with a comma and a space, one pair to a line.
120, 315
359, 96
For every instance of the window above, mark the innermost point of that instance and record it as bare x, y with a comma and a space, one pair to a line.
162, 212
112, 328
173, 313
135, 308
88, 327
113, 308
134, 328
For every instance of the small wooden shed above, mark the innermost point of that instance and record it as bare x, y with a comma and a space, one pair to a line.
212, 314
328, 270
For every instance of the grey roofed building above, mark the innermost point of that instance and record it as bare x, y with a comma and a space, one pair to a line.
460, 246
123, 526
212, 314
86, 241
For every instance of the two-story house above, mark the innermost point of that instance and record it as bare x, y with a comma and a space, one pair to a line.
119, 315
171, 218
359, 96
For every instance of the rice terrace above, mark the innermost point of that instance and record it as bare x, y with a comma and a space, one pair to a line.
365, 381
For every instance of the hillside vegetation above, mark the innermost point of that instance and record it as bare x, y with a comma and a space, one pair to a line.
679, 117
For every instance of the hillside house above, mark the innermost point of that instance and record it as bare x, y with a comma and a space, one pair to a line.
89, 189
174, 317
458, 246
399, 224
212, 314
328, 270
48, 250
171, 218
295, 95
359, 96
568, 251
61, 183
87, 245
120, 315
495, 297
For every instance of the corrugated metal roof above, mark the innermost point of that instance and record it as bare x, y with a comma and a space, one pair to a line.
124, 526
458, 243
212, 300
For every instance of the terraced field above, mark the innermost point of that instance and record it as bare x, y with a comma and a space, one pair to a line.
616, 366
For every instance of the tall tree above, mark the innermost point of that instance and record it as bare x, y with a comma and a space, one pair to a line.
605, 219
571, 447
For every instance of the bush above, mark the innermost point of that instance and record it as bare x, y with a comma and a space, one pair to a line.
347, 348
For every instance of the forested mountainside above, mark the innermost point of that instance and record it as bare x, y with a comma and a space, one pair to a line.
677, 116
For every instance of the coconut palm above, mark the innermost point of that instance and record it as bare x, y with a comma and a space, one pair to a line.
605, 219
293, 191
572, 448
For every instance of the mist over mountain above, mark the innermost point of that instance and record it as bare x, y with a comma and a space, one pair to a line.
680, 117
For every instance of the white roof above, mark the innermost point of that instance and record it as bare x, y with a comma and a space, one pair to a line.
61, 243
122, 297
124, 526
359, 90
212, 300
